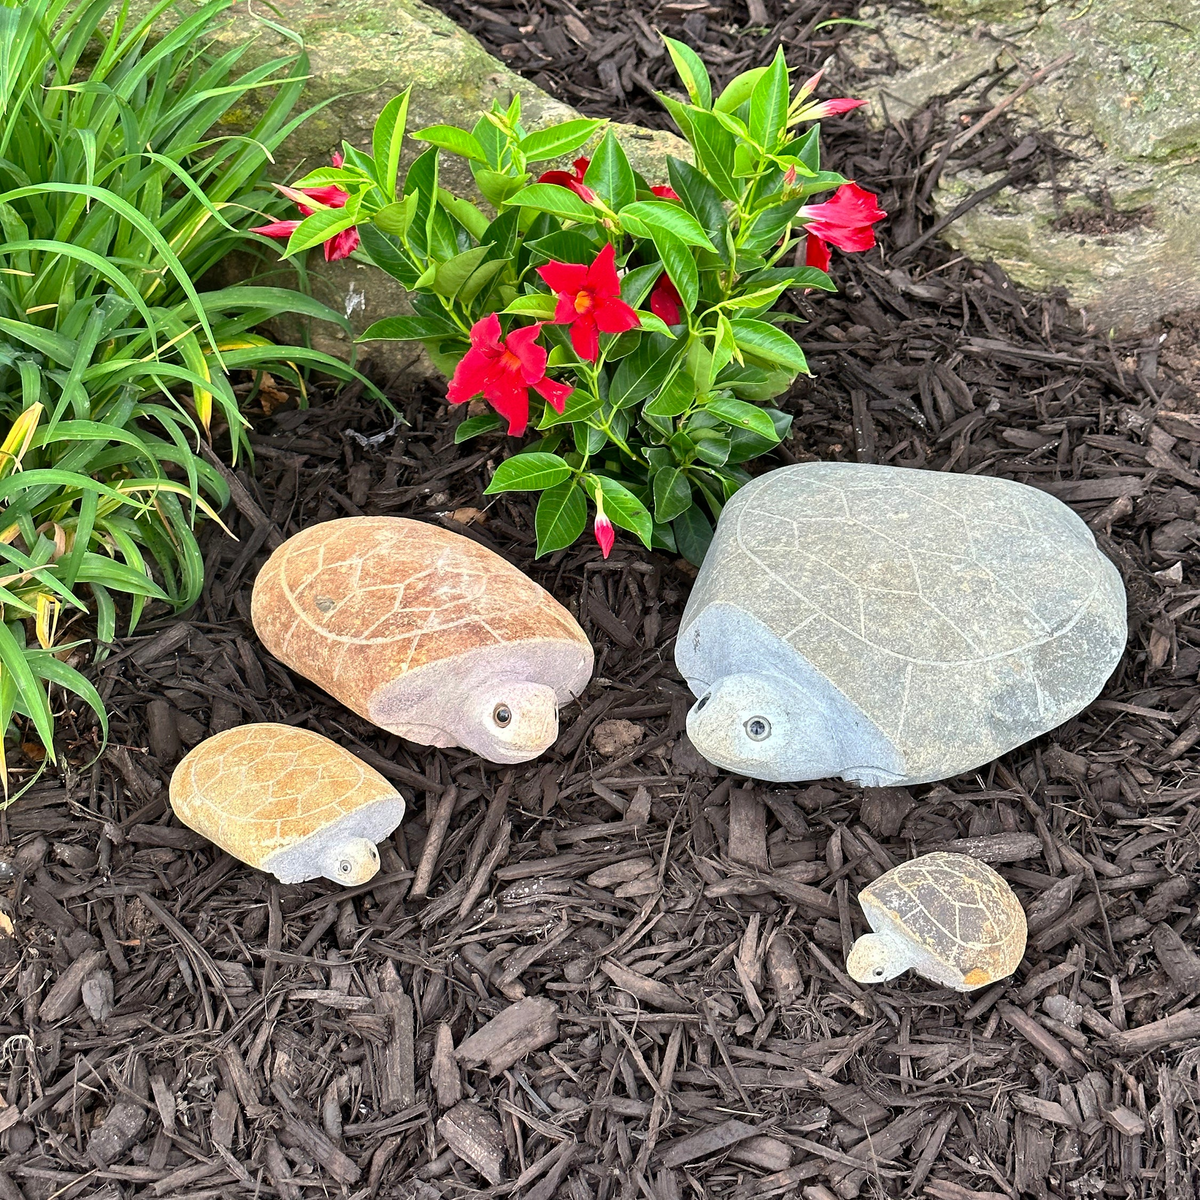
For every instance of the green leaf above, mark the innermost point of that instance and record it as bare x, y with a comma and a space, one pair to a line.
802, 277
676, 397
450, 137
465, 213
320, 227
558, 201
672, 494
644, 216
528, 473
484, 274
580, 405
636, 284
769, 104
714, 146
557, 140
409, 329
766, 342
649, 323
624, 509
643, 371
693, 535
474, 426
700, 198
560, 518
609, 174
386, 255
681, 267
386, 141
692, 72
737, 90
396, 218
453, 273
743, 416
496, 186
533, 304
31, 692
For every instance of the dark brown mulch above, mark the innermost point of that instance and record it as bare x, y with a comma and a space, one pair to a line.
626, 977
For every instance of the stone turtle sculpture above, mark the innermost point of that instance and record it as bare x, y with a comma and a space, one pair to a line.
287, 801
424, 632
892, 626
948, 917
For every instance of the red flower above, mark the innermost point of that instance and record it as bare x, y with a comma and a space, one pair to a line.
846, 220
504, 369
665, 300
831, 108
572, 179
341, 245
589, 300
665, 191
603, 527
816, 253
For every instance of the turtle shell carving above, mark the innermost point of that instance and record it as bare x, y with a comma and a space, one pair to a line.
288, 801
891, 625
424, 632
949, 917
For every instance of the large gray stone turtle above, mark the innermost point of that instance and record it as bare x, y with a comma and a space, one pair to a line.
892, 626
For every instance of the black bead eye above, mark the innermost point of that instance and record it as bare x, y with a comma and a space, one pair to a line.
758, 729
878, 972
502, 715
344, 866
703, 701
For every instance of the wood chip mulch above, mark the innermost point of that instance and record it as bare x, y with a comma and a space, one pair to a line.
616, 972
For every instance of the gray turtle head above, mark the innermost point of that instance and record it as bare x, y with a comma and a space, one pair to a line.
508, 720
764, 726
874, 959
351, 861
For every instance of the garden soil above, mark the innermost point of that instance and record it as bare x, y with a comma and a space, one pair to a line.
616, 972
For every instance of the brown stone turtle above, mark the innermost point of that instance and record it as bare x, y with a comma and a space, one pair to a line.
948, 917
287, 801
424, 632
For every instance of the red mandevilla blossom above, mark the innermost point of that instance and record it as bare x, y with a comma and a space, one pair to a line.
589, 300
844, 222
572, 179
603, 527
341, 245
665, 301
504, 369
666, 191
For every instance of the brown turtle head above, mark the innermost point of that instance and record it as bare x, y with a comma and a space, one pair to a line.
507, 720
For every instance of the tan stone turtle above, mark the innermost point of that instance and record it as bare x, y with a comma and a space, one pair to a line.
287, 801
948, 917
424, 632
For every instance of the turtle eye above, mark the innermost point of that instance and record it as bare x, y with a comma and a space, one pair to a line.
703, 701
878, 972
345, 867
502, 715
758, 729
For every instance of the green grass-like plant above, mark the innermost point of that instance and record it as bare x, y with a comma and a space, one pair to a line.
115, 199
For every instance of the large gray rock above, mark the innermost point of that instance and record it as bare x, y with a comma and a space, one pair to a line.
1117, 227
362, 53
892, 626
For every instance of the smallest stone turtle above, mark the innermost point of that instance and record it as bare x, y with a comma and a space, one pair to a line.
948, 917
287, 801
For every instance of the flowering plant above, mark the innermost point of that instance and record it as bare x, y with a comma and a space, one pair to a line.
631, 323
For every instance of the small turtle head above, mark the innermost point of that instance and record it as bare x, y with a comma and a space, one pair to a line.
351, 861
874, 960
764, 726
510, 720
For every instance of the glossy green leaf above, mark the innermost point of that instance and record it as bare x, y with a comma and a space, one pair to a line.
609, 174
680, 264
737, 90
672, 494
769, 104
528, 473
474, 426
692, 72
450, 137
560, 518
743, 416
387, 139
555, 200
558, 140
644, 216
770, 343
693, 535
409, 329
